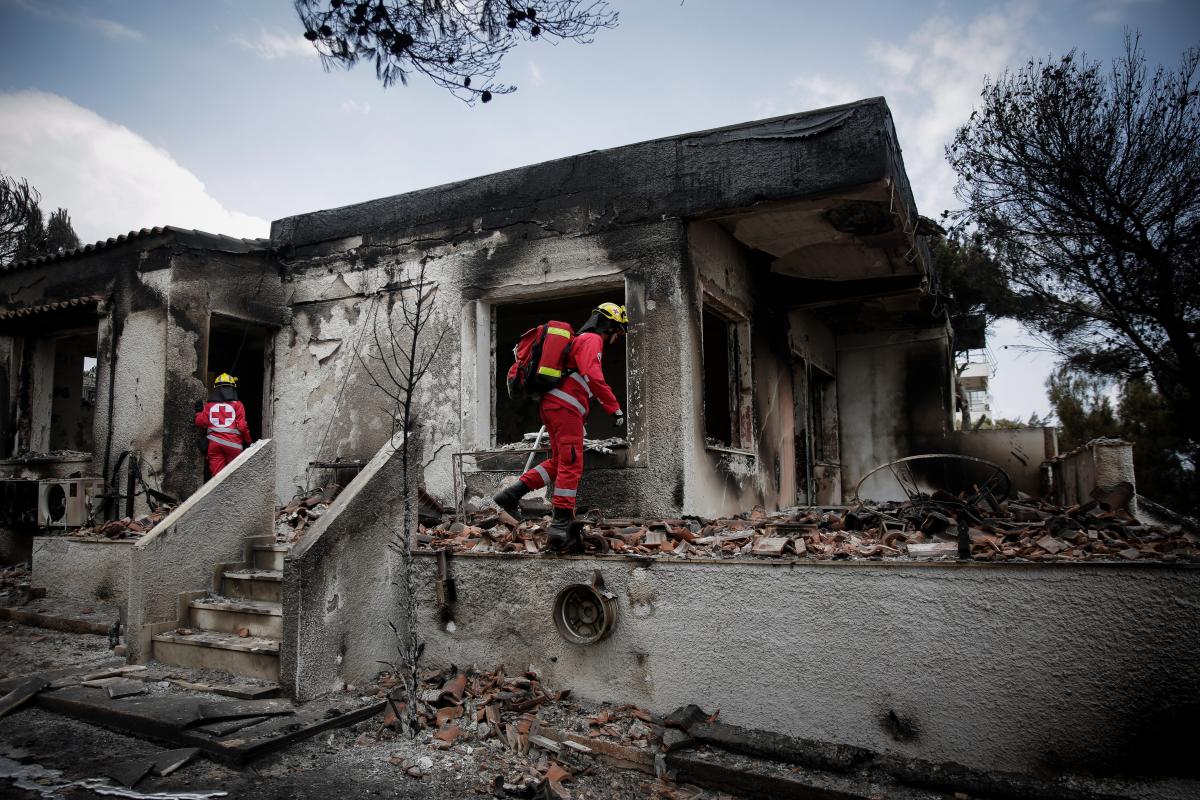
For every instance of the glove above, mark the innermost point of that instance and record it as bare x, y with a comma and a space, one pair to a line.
199, 406
619, 418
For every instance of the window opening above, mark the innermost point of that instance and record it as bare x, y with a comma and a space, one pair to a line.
73, 392
720, 381
515, 418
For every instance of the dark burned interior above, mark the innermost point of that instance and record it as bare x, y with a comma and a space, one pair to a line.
719, 378
516, 418
240, 348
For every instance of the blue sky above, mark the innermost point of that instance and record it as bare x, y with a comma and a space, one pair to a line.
216, 115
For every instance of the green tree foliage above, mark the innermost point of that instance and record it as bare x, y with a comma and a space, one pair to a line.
969, 278
1083, 408
24, 232
1085, 183
1165, 463
457, 44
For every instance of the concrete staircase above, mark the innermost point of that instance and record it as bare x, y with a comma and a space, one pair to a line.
245, 596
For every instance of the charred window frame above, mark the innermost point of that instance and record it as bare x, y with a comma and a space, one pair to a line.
727, 382
485, 361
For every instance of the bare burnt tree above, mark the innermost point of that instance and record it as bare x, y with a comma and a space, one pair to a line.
1085, 183
398, 357
20, 219
458, 44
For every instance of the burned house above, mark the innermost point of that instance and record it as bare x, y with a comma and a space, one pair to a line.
785, 341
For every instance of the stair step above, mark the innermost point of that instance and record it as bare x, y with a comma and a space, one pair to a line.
255, 575
222, 641
253, 584
269, 556
228, 614
253, 656
239, 605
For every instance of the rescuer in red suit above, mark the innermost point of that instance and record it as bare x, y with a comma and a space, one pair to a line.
224, 418
563, 410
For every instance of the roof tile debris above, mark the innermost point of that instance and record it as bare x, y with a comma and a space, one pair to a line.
939, 527
126, 527
292, 520
532, 739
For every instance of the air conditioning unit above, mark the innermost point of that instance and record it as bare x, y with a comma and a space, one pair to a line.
19, 503
67, 502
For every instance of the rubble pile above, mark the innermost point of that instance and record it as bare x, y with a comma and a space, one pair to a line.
15, 589
293, 519
939, 526
534, 739
127, 527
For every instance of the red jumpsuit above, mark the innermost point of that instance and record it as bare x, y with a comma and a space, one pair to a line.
227, 431
563, 410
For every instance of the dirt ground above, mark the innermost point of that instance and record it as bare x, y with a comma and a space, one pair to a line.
24, 649
44, 755
332, 765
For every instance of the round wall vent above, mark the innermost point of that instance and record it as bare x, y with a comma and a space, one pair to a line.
585, 613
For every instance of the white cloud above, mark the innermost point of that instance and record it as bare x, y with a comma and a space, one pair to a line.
107, 27
355, 107
110, 28
272, 45
108, 177
535, 74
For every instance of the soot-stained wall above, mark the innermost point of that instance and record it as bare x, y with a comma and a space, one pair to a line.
1010, 667
894, 400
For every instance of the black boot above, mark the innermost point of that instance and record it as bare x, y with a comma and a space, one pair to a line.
559, 533
510, 499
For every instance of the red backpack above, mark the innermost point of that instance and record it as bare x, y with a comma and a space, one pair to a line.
541, 359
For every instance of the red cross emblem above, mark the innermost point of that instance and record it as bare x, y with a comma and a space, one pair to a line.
221, 415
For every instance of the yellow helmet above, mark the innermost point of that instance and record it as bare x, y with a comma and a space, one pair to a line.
225, 379
613, 312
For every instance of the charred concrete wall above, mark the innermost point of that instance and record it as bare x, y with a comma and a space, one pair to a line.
86, 571
894, 400
720, 480
154, 295
609, 219
998, 667
340, 591
209, 528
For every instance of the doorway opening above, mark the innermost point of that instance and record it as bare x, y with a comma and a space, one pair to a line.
241, 349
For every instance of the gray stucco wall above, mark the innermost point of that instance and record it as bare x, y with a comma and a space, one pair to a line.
208, 528
1011, 667
338, 583
86, 571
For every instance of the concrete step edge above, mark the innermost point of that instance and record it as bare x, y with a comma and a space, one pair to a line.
236, 605
223, 641
272, 575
